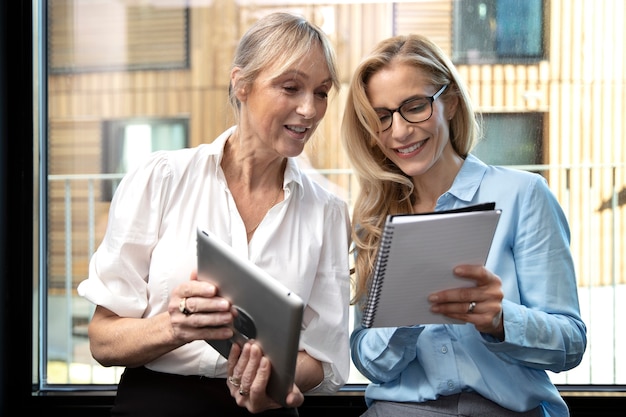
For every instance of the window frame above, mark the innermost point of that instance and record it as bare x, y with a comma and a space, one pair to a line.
20, 198
17, 191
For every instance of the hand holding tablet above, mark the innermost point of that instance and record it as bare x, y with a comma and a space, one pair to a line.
267, 310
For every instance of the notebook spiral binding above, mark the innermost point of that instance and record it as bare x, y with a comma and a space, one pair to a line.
377, 281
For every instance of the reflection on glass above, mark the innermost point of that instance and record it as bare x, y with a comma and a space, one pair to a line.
128, 77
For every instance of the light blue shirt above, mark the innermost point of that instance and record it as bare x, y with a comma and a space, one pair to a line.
542, 323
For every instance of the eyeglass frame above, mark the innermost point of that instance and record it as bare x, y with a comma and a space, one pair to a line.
431, 100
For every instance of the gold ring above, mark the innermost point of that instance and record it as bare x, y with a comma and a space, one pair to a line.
472, 306
182, 306
243, 392
234, 380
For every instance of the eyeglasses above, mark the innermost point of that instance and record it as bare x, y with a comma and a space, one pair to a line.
414, 110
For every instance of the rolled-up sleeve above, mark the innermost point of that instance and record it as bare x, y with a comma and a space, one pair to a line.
119, 269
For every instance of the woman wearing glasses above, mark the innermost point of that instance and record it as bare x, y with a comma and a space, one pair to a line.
409, 128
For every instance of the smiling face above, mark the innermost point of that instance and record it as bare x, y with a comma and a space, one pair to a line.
414, 147
282, 112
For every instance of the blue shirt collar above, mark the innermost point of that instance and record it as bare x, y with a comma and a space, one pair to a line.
466, 183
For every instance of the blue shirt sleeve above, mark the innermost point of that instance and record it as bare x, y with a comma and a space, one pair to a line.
542, 320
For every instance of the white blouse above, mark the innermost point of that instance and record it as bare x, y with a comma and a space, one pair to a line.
150, 247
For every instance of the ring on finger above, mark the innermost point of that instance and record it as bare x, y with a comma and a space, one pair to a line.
471, 307
234, 381
182, 306
243, 392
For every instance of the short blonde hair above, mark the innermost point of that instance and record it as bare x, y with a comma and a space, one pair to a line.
277, 41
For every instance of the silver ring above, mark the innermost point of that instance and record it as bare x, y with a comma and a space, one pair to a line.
242, 392
472, 306
234, 381
182, 306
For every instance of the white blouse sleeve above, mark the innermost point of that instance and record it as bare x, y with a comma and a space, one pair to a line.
118, 270
327, 314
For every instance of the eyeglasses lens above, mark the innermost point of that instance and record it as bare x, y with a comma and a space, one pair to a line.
414, 111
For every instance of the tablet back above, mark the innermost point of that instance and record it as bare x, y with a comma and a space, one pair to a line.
268, 311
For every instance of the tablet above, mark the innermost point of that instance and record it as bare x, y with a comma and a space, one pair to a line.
268, 311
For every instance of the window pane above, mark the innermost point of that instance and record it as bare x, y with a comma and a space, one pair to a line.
511, 139
88, 35
498, 30
126, 142
562, 111
518, 28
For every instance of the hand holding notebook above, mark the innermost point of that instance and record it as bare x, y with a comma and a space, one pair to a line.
417, 255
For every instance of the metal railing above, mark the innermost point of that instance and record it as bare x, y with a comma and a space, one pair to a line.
592, 196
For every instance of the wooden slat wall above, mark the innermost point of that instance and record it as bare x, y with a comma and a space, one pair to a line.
73, 147
351, 41
587, 126
580, 87
431, 18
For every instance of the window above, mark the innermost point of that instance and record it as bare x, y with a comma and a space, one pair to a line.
566, 122
102, 35
489, 31
126, 142
511, 139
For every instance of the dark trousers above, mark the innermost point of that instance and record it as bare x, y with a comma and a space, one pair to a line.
142, 392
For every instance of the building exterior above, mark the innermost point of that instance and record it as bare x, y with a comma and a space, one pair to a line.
553, 100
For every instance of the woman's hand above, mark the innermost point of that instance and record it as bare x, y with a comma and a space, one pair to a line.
195, 312
480, 305
198, 313
249, 372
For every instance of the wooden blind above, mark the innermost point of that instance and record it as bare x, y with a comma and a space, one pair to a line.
87, 35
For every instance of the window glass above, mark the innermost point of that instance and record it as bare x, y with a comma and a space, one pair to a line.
127, 142
121, 70
498, 30
511, 139
110, 35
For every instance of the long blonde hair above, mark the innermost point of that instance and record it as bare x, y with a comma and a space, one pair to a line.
384, 188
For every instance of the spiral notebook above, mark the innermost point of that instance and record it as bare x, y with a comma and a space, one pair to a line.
417, 255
